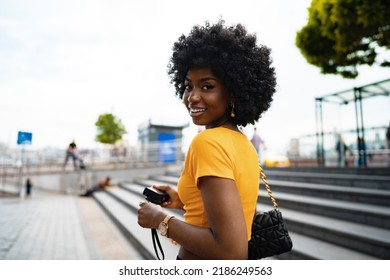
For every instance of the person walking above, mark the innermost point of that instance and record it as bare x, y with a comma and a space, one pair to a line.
29, 186
362, 152
258, 143
71, 152
225, 80
341, 149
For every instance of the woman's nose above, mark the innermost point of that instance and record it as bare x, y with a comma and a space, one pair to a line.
193, 96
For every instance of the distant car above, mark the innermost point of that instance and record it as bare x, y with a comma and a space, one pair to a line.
272, 159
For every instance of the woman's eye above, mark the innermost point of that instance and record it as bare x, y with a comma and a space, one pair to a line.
187, 87
207, 87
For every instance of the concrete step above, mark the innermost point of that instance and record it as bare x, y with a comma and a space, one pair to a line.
114, 203
309, 198
130, 195
121, 203
308, 248
377, 216
367, 240
369, 229
359, 180
380, 171
169, 179
338, 179
151, 181
332, 201
363, 195
344, 193
9, 189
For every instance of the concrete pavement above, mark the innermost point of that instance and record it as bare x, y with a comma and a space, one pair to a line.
51, 226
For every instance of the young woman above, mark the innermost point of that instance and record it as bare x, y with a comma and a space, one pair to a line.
225, 80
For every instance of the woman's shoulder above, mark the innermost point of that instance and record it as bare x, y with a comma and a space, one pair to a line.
209, 135
215, 136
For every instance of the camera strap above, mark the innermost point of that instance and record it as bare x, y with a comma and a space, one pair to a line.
156, 239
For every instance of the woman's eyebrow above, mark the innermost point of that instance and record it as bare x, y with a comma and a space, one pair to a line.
207, 78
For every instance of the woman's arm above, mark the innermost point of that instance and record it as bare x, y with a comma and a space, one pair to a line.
227, 236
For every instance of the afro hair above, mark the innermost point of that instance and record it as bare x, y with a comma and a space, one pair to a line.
235, 58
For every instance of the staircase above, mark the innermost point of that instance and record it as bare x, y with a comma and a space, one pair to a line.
331, 214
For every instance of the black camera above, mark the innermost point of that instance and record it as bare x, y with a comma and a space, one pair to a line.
155, 196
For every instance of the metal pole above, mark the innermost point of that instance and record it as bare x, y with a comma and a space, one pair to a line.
364, 153
320, 133
357, 126
20, 183
322, 137
317, 131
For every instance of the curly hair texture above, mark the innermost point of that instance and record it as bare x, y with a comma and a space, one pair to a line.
234, 57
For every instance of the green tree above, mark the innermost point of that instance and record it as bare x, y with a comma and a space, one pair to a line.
109, 129
340, 35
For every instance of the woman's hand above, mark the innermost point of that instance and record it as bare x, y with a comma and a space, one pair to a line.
174, 200
150, 215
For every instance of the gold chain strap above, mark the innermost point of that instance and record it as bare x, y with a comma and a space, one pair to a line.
271, 196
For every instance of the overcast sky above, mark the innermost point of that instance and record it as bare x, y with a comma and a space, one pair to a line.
63, 63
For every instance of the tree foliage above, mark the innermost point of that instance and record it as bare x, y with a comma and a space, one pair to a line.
109, 129
340, 35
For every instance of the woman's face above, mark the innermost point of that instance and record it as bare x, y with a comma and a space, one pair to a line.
206, 98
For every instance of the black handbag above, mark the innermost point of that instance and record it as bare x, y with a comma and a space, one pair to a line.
269, 234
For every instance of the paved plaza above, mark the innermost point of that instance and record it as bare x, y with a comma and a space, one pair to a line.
50, 226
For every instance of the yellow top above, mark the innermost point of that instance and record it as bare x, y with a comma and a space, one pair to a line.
224, 153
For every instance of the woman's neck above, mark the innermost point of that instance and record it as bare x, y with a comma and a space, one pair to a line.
226, 124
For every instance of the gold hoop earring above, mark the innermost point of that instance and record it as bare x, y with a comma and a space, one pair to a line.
232, 113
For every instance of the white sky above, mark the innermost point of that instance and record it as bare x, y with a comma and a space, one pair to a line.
63, 63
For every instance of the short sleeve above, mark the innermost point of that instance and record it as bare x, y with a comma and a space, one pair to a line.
210, 158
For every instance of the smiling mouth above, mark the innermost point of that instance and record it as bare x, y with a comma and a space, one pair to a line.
197, 110
194, 112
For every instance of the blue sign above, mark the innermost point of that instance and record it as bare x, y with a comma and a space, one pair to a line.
24, 138
167, 151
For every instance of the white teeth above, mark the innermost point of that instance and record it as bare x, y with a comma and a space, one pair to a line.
197, 110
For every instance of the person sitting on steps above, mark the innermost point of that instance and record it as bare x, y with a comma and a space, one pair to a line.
100, 185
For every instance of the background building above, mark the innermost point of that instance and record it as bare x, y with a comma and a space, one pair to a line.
160, 142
